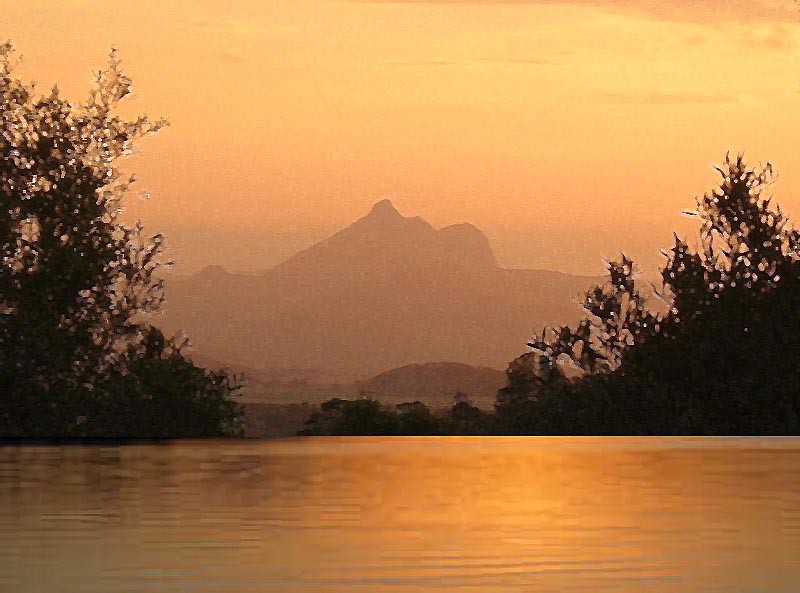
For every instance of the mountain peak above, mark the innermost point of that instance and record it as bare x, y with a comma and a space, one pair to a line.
468, 242
213, 270
384, 208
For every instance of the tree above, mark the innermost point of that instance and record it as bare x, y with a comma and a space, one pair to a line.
76, 285
723, 359
341, 417
367, 416
466, 419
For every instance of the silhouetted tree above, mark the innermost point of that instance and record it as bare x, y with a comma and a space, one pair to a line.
76, 357
466, 419
340, 417
725, 357
414, 418
366, 416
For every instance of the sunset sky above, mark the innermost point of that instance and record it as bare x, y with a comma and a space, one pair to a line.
565, 130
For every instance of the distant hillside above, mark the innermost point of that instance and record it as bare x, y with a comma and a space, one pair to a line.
435, 383
435, 380
385, 292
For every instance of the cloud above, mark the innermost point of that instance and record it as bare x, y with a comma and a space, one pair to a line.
523, 61
709, 11
468, 62
679, 98
231, 58
424, 63
773, 36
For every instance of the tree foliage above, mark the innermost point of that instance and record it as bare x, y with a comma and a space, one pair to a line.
723, 359
367, 416
76, 285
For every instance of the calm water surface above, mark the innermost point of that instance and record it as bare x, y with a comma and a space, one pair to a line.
401, 515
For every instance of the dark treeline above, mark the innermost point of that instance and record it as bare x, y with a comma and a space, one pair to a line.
77, 358
367, 416
723, 358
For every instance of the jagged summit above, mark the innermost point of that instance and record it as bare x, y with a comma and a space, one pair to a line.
383, 215
384, 235
384, 208
384, 223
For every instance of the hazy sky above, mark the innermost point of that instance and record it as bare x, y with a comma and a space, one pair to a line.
566, 130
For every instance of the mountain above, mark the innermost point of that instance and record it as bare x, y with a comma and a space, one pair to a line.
437, 381
385, 292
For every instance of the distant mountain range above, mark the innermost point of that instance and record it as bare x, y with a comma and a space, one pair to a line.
434, 383
385, 292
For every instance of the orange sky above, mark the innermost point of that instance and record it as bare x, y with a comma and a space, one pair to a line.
565, 130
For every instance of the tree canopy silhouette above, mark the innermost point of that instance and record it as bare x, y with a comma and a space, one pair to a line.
77, 357
723, 359
366, 416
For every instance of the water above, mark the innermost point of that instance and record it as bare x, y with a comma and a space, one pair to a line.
401, 515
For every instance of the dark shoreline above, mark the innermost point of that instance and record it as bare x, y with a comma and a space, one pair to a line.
103, 442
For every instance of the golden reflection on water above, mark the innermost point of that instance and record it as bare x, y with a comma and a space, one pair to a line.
421, 514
